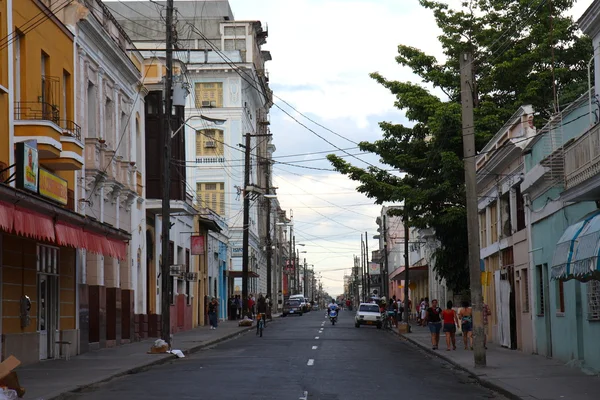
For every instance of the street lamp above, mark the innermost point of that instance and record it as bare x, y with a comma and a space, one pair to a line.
215, 121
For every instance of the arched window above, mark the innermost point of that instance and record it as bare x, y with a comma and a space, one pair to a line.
138, 142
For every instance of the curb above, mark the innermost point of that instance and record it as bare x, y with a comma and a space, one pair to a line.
162, 360
482, 381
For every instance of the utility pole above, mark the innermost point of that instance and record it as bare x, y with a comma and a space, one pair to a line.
385, 250
406, 269
246, 232
289, 260
165, 303
293, 255
269, 249
362, 266
368, 279
305, 287
468, 131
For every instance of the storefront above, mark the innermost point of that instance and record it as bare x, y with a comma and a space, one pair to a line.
40, 245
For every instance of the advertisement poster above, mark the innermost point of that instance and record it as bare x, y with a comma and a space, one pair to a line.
374, 269
197, 244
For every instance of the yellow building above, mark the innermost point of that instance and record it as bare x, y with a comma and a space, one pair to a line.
41, 155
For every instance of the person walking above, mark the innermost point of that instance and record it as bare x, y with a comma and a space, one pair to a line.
450, 321
212, 313
465, 314
261, 308
434, 321
251, 307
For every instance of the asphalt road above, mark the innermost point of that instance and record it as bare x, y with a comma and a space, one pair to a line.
296, 360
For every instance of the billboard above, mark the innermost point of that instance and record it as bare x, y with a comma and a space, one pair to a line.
374, 269
197, 245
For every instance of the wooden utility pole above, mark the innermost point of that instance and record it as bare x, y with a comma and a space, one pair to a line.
406, 269
268, 229
468, 133
384, 273
362, 266
368, 276
165, 301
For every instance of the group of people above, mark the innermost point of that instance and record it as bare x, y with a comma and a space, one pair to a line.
261, 305
448, 321
394, 309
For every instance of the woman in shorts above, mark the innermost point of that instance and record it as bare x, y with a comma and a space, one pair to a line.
465, 314
450, 320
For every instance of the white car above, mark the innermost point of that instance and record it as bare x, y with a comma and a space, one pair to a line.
368, 314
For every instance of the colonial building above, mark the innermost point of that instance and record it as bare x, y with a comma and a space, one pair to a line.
503, 235
44, 230
226, 75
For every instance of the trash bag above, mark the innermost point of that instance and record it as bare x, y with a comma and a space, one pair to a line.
159, 343
8, 394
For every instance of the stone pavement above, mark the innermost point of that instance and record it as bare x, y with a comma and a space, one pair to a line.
50, 379
513, 373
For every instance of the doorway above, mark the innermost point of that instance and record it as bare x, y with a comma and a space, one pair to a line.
48, 301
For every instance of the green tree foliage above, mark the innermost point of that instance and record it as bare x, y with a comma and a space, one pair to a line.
515, 44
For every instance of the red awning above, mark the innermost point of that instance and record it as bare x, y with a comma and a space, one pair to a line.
34, 225
107, 247
70, 235
6, 216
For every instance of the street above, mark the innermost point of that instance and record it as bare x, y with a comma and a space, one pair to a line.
294, 360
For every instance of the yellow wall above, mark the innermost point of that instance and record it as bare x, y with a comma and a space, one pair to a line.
4, 150
60, 60
50, 38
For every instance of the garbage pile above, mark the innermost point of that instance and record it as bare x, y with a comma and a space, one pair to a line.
159, 347
10, 388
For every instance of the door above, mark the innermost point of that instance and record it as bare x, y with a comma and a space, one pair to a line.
47, 314
48, 303
503, 307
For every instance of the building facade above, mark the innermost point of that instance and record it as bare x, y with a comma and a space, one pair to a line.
503, 234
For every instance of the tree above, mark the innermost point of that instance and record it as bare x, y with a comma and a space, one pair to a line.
516, 44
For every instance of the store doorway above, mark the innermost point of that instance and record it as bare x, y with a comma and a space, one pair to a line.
48, 302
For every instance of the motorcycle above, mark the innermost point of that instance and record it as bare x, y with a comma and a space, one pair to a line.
333, 316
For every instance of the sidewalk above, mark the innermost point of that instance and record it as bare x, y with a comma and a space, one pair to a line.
50, 379
513, 373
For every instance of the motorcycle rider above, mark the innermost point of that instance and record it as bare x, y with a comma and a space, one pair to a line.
332, 306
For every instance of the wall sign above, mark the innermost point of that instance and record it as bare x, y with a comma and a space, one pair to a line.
52, 186
27, 166
197, 245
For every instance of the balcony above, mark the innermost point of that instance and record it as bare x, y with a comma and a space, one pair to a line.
58, 140
582, 166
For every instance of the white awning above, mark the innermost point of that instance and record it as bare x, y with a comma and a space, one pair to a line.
577, 251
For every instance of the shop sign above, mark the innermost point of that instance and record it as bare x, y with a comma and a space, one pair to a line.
374, 269
237, 251
197, 244
27, 166
52, 187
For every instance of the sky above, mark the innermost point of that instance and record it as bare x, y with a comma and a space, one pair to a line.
323, 52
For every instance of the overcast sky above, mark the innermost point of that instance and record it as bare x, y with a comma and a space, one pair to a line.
323, 52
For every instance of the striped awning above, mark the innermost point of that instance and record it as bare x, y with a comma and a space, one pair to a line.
577, 252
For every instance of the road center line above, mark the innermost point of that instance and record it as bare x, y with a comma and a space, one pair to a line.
314, 347
310, 362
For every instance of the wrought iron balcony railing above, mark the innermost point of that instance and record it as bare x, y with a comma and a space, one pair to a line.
41, 111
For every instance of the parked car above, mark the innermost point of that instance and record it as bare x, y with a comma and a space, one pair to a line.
368, 314
302, 300
292, 307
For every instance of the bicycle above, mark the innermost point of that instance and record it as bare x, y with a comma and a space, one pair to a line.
260, 326
387, 321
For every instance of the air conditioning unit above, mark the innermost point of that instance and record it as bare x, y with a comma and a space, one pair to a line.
207, 103
176, 270
210, 144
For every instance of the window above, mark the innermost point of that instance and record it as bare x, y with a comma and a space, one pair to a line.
90, 118
44, 68
209, 95
560, 296
188, 269
593, 297
211, 195
138, 143
525, 289
18, 57
109, 122
235, 31
64, 96
209, 142
47, 260
539, 271
123, 132
482, 229
494, 222
520, 210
